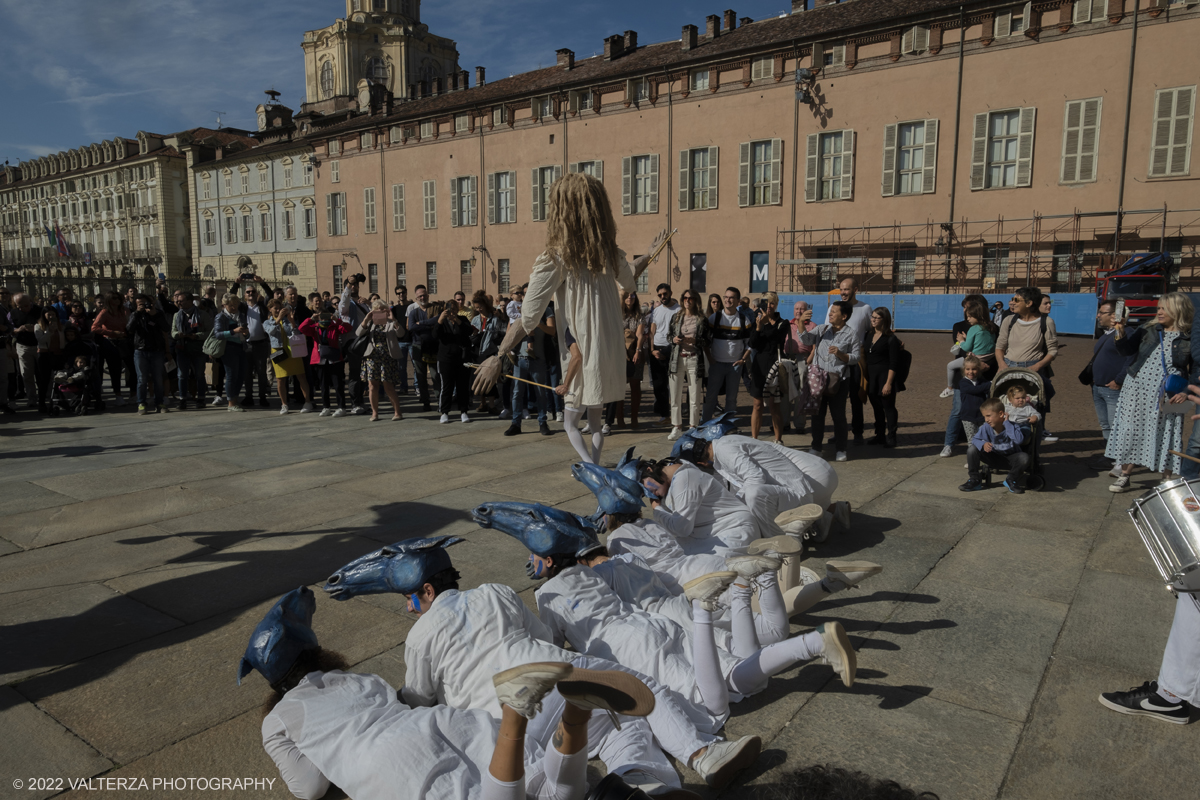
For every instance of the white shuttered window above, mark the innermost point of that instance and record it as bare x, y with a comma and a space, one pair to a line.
760, 172
464, 203
369, 209
910, 157
1081, 132
429, 194
1171, 137
639, 184
698, 178
829, 166
1002, 148
397, 206
543, 179
502, 198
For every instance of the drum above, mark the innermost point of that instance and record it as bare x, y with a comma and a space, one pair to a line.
1168, 519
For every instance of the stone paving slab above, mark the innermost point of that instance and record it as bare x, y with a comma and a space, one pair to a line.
34, 745
406, 455
910, 512
59, 628
23, 495
101, 483
1119, 548
245, 487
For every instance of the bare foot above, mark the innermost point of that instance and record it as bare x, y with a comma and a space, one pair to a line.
397, 418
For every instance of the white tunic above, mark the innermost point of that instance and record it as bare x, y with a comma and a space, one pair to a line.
352, 730
464, 639
705, 516
654, 545
743, 461
590, 304
580, 608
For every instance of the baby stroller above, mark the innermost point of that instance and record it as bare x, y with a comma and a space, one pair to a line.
73, 390
1031, 382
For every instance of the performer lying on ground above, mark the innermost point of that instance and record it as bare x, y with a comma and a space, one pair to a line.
461, 637
325, 725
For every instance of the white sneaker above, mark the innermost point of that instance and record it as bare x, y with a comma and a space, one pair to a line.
1115, 471
674, 434
750, 567
1049, 438
219, 400
707, 588
967, 465
307, 408
338, 412
947, 451
850, 573
358, 410
812, 451
779, 546
326, 412
445, 418
557, 417
522, 688
464, 417
283, 410
606, 430
946, 393
841, 513
587, 428
838, 653
1122, 485
720, 761
607, 690
841, 456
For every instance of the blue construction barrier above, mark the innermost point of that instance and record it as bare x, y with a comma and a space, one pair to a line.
1072, 313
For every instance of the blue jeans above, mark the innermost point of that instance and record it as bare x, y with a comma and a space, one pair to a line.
721, 375
149, 366
954, 427
402, 362
1190, 469
190, 364
1105, 400
533, 369
234, 362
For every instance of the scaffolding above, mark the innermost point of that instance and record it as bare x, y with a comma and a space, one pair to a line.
1056, 253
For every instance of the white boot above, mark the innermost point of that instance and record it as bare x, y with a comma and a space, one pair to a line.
522, 688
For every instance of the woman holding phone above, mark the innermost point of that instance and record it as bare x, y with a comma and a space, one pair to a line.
280, 330
380, 364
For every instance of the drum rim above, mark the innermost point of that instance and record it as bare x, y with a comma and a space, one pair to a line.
1167, 486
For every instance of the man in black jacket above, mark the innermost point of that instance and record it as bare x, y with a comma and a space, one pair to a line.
253, 312
151, 332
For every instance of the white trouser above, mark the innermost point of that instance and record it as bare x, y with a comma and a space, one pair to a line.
557, 777
571, 417
752, 631
686, 369
1180, 670
767, 502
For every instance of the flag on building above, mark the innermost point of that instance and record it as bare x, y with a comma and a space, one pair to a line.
61, 242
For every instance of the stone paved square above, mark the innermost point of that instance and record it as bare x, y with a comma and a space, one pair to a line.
136, 555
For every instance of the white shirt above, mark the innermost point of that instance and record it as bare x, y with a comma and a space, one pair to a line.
860, 319
654, 545
464, 639
661, 318
513, 309
353, 731
705, 516
590, 304
729, 350
744, 461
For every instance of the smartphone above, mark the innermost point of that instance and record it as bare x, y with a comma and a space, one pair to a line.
325, 316
762, 304
1120, 312
246, 276
379, 317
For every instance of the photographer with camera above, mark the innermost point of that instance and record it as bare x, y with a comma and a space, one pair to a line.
353, 311
253, 313
1106, 374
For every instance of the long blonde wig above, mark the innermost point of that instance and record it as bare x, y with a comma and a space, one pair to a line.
581, 228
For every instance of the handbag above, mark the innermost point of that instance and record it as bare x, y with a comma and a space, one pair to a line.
214, 347
298, 345
815, 387
1172, 384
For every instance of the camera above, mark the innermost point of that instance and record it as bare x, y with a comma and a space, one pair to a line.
1120, 311
246, 276
360, 278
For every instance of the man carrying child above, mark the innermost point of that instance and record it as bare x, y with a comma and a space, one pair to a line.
996, 443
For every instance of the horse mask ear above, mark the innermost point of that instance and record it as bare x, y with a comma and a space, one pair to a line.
244, 669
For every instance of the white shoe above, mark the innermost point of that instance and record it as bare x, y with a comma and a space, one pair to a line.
841, 456
947, 451
338, 412
707, 588
523, 688
557, 417
283, 410
1122, 485
967, 465
808, 576
307, 408
841, 513
850, 573
1115, 471
587, 428
464, 417
674, 434
750, 567
607, 690
358, 410
1049, 438
326, 412
838, 653
445, 418
219, 400
812, 451
781, 546
606, 430
946, 393
720, 761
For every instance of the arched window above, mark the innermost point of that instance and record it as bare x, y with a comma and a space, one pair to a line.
290, 269
209, 272
327, 79
377, 71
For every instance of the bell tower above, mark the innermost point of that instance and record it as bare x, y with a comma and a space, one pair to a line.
382, 41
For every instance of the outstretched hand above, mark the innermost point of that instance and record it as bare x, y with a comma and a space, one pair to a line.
657, 241
487, 375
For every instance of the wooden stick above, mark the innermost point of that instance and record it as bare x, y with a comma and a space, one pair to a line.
658, 250
522, 380
1184, 455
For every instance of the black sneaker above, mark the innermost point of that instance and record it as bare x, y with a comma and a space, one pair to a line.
182, 405
859, 440
513, 430
1146, 701
1014, 487
544, 430
972, 485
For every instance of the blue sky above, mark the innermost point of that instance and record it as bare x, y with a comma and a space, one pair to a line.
79, 71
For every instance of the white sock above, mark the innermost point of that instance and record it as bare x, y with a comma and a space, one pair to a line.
1170, 698
772, 622
713, 691
751, 675
571, 418
595, 419
745, 639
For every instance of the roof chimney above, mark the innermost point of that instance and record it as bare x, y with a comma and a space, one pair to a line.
479, 77
799, 6
452, 82
744, 21
689, 37
630, 41
464, 79
566, 58
712, 26
435, 86
613, 47
819, 3
412, 91
730, 19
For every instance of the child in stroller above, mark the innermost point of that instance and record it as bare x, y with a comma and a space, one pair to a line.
73, 388
1028, 427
